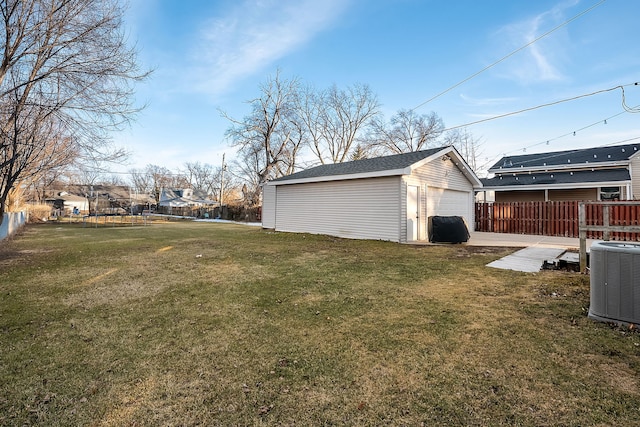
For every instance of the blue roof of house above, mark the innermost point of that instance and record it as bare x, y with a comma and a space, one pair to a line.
558, 177
596, 155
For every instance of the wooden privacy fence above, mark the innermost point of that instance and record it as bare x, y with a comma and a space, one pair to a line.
613, 223
559, 218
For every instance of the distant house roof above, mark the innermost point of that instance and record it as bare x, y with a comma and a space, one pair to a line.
582, 157
559, 178
67, 197
396, 164
183, 198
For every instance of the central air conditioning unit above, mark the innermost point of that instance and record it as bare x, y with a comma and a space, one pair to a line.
615, 282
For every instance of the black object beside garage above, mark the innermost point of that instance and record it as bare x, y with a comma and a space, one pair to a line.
448, 229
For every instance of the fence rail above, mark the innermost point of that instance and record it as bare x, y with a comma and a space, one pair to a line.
609, 226
560, 218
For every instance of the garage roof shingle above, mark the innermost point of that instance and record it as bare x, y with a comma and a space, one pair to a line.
393, 162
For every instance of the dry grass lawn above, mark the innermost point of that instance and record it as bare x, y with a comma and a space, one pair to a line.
218, 324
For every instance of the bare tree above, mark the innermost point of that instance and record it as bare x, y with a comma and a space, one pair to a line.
336, 119
469, 147
30, 146
359, 153
407, 132
153, 179
141, 182
202, 176
66, 81
243, 169
268, 138
36, 190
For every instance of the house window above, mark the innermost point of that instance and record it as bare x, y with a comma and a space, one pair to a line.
609, 193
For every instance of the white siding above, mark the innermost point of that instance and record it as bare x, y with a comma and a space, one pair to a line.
448, 192
359, 209
443, 174
269, 206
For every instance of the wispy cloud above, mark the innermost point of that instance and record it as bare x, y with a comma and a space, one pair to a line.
254, 34
544, 59
486, 102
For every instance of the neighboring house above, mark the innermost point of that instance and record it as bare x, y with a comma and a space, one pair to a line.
103, 199
602, 173
184, 198
117, 199
384, 198
67, 203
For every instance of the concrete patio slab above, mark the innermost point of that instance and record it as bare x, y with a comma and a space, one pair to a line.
523, 240
528, 260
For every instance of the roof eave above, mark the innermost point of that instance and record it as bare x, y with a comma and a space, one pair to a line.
559, 186
597, 165
343, 177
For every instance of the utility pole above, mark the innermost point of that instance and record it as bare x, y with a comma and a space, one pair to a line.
222, 184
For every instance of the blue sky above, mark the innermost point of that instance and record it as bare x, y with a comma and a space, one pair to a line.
213, 54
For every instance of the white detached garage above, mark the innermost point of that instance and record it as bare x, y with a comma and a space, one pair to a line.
384, 198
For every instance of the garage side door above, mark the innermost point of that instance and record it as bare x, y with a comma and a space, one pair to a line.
443, 202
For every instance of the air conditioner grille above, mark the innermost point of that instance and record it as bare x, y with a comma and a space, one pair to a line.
615, 282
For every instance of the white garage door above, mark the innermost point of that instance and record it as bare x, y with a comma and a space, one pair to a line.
444, 202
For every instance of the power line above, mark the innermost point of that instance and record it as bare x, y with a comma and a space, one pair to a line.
547, 141
549, 104
509, 55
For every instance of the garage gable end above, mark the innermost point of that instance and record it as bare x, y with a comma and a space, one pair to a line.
447, 190
443, 173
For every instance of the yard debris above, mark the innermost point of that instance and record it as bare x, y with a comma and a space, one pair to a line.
264, 410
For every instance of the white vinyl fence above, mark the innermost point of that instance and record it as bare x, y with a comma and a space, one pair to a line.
11, 223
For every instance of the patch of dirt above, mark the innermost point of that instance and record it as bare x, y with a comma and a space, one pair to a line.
9, 256
620, 377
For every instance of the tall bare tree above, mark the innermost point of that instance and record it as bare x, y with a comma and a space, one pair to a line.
141, 182
153, 178
407, 132
268, 138
30, 145
202, 176
66, 81
469, 147
336, 119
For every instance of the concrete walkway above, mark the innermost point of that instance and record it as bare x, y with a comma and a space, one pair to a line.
529, 260
523, 241
537, 249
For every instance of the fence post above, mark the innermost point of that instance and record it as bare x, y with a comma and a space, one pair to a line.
605, 221
582, 221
